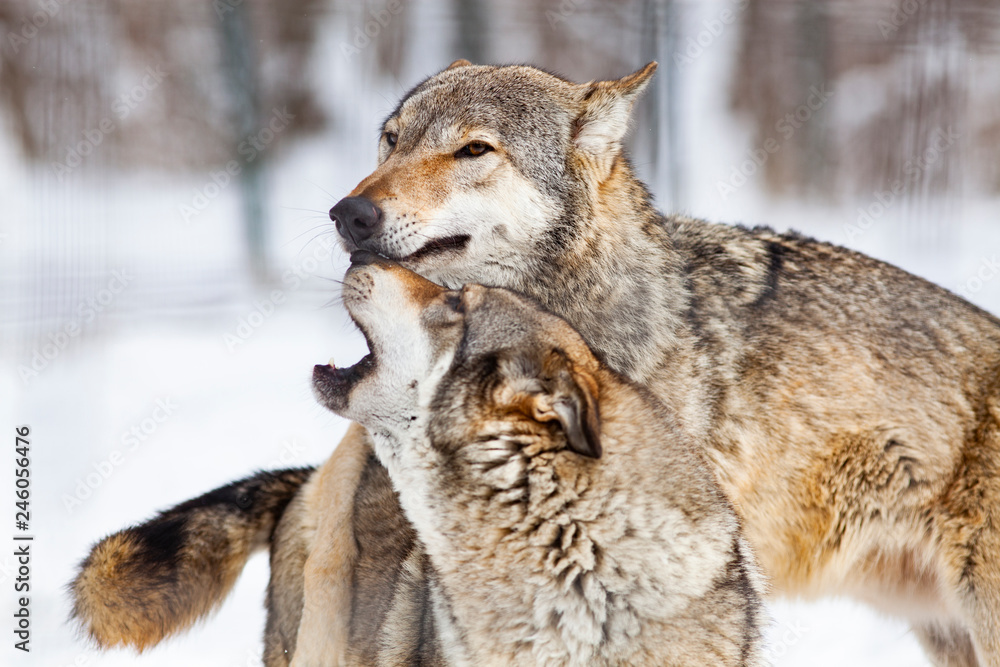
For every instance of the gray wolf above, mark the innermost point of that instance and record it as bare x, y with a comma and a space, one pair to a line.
567, 517
849, 410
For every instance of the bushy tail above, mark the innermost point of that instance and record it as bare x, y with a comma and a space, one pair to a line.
149, 581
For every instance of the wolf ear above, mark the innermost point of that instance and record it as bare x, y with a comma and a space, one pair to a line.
461, 62
570, 397
606, 107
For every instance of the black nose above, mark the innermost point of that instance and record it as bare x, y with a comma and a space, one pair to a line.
357, 218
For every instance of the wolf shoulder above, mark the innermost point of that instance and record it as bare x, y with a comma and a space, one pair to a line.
764, 281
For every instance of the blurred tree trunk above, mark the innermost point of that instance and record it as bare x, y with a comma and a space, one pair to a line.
240, 70
937, 85
472, 30
814, 73
663, 149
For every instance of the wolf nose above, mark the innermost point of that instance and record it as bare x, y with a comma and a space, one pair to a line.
357, 218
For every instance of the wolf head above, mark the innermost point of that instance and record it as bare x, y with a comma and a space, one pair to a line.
483, 170
461, 363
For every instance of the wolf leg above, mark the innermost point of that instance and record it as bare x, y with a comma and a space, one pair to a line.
328, 575
981, 572
292, 542
971, 522
986, 635
983, 597
947, 647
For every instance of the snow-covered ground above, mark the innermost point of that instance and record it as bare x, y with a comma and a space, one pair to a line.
218, 385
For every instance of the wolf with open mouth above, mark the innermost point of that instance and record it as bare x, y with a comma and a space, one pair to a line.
568, 518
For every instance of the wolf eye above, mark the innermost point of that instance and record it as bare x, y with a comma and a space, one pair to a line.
473, 149
390, 138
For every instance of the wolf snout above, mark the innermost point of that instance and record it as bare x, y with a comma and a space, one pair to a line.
357, 218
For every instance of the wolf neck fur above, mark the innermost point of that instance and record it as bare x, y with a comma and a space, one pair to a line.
621, 282
524, 484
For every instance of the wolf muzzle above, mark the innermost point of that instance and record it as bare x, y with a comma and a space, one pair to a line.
356, 218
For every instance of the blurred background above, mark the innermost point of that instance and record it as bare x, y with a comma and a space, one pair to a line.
168, 270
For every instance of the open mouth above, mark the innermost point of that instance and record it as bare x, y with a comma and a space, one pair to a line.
332, 380
334, 384
438, 246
